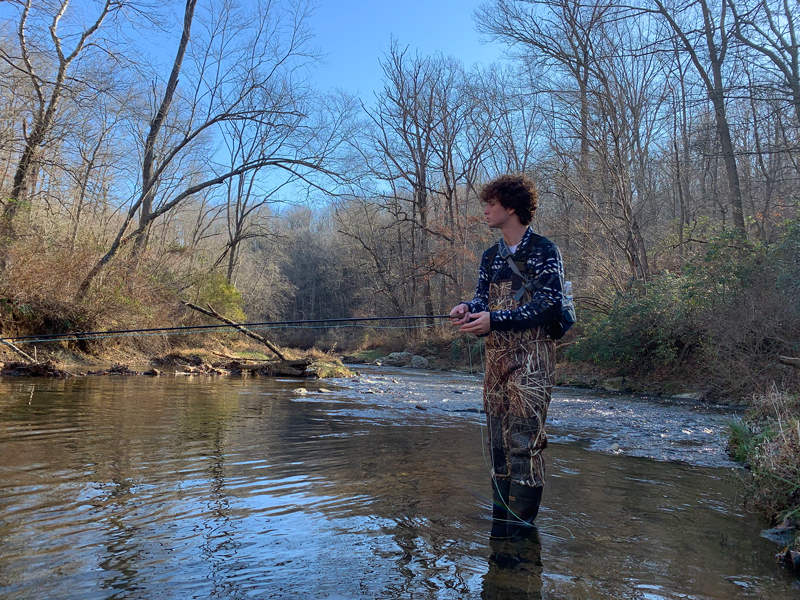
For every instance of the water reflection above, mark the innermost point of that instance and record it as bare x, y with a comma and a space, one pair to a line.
178, 488
515, 568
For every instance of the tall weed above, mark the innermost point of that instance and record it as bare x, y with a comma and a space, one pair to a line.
768, 440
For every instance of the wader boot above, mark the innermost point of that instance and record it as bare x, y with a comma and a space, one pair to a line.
523, 504
500, 516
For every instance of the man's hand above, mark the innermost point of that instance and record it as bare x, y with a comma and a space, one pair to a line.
479, 323
460, 314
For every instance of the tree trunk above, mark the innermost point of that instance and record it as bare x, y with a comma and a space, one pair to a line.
149, 180
213, 313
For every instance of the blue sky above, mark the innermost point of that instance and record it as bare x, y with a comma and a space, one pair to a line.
354, 34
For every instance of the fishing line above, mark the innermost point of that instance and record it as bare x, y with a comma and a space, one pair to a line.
541, 529
186, 329
189, 330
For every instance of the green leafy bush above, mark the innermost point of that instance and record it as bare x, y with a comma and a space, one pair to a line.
724, 319
648, 327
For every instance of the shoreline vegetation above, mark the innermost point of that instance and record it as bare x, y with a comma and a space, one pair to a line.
766, 440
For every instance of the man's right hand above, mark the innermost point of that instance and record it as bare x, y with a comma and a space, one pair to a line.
459, 315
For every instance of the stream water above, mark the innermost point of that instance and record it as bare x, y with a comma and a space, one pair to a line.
377, 487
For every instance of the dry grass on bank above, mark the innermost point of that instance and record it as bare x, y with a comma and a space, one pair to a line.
768, 440
39, 291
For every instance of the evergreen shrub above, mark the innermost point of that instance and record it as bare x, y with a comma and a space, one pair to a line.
648, 327
724, 319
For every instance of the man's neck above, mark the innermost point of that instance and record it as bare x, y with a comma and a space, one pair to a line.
513, 233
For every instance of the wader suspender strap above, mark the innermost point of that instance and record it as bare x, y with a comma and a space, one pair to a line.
531, 286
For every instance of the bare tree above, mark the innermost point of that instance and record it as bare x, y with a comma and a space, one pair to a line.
556, 39
627, 92
50, 71
702, 33
463, 139
366, 225
402, 152
96, 158
771, 29
149, 175
245, 196
244, 57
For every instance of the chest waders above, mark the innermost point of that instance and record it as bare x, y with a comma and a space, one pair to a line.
520, 374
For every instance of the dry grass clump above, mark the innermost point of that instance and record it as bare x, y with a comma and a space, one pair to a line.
769, 440
39, 291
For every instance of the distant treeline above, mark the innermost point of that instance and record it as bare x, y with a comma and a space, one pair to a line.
663, 137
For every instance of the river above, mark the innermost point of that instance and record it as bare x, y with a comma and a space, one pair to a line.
376, 487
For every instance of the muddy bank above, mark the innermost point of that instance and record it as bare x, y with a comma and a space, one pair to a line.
306, 365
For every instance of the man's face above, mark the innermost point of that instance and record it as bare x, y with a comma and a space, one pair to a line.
497, 215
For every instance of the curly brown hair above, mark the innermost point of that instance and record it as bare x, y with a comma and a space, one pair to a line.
517, 191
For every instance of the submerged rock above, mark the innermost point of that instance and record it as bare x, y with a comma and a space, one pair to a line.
783, 534
696, 395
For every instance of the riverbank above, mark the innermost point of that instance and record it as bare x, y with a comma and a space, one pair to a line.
572, 374
438, 353
766, 440
217, 357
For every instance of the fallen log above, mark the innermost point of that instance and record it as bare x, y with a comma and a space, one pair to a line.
788, 360
286, 368
213, 313
283, 368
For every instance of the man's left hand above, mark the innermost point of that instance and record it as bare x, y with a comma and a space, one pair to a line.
479, 324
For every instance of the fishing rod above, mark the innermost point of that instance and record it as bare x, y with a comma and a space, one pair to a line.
189, 328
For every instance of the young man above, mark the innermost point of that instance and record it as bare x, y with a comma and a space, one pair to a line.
520, 357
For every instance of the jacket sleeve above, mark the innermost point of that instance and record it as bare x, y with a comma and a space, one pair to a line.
545, 304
